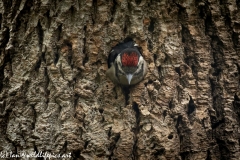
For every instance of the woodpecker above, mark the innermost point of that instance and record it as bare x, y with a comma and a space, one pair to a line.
126, 64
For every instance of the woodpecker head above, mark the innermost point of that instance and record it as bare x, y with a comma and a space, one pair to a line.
126, 64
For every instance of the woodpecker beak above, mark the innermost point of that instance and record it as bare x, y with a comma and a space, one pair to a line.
129, 78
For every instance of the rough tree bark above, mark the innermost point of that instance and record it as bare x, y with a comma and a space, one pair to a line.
55, 97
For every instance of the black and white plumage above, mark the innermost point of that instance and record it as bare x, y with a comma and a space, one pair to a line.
126, 64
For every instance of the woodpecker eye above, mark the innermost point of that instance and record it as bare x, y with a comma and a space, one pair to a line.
129, 59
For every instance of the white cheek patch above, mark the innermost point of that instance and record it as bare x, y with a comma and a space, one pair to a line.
140, 60
118, 60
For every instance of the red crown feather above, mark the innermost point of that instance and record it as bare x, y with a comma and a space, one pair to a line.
130, 59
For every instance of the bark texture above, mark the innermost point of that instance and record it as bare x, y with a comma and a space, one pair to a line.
55, 97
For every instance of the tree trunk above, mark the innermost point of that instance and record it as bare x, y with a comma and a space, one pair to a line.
55, 96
